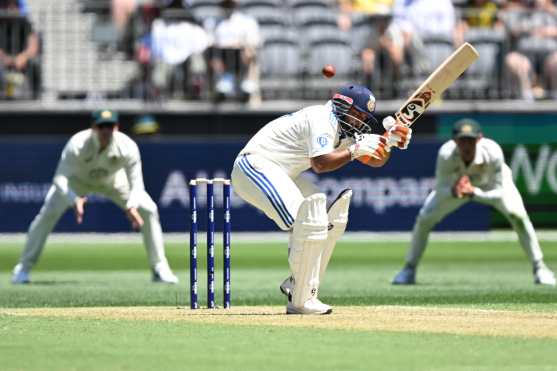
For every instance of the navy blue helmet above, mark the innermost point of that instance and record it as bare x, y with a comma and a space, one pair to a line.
362, 100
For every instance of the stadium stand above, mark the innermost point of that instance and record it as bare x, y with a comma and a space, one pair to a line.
86, 56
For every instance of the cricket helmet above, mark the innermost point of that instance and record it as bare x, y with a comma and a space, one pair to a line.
362, 100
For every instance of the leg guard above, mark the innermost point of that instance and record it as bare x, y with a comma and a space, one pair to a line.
338, 218
306, 245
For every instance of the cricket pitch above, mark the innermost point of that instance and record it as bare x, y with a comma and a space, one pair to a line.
478, 322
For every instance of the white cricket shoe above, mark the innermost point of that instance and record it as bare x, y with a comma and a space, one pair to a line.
407, 276
163, 274
286, 287
312, 306
20, 276
544, 276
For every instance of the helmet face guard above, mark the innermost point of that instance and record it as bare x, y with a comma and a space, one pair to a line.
341, 108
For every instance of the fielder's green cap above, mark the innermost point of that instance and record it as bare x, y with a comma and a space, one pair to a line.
105, 116
466, 128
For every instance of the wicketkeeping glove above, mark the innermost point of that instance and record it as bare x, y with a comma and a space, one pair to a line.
397, 135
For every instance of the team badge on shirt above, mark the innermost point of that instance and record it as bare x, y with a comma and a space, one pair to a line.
322, 141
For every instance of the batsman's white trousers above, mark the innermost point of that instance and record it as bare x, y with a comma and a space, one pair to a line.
56, 204
265, 185
436, 207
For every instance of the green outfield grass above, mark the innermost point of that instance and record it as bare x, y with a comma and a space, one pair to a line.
471, 275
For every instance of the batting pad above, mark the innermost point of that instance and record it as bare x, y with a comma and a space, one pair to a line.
306, 244
338, 219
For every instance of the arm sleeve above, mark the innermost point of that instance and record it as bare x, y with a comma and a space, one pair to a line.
135, 177
443, 177
495, 169
321, 138
68, 162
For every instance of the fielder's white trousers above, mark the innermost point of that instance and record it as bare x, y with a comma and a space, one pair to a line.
436, 207
56, 204
265, 185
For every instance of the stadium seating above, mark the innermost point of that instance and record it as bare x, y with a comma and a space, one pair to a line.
80, 57
279, 67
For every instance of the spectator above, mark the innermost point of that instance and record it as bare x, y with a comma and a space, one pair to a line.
19, 49
370, 7
414, 21
122, 10
233, 58
533, 59
176, 39
477, 14
376, 18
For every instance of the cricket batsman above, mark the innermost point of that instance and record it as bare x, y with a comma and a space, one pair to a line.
471, 168
323, 138
105, 161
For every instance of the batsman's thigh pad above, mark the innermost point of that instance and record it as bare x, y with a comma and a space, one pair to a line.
304, 183
307, 242
266, 186
338, 219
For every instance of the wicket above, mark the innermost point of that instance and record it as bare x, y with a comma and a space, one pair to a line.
210, 241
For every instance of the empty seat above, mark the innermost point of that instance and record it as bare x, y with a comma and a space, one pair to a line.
436, 50
307, 10
273, 31
335, 50
321, 26
280, 66
482, 78
203, 10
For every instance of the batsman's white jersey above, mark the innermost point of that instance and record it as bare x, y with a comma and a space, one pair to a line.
115, 173
494, 186
267, 171
266, 174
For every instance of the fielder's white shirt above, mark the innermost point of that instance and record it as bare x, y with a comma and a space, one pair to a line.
293, 139
487, 172
81, 160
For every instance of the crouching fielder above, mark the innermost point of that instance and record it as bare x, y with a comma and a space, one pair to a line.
324, 138
98, 160
472, 168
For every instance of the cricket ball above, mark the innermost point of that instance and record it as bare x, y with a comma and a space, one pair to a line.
328, 71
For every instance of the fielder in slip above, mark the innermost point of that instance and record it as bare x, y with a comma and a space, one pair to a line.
266, 174
472, 168
105, 161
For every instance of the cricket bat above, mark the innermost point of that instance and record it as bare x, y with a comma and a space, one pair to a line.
434, 86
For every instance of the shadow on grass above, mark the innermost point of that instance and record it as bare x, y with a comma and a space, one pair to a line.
53, 283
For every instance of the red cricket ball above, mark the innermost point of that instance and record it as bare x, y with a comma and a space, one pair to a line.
328, 71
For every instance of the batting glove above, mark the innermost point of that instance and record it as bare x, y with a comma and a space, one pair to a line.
397, 135
371, 145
